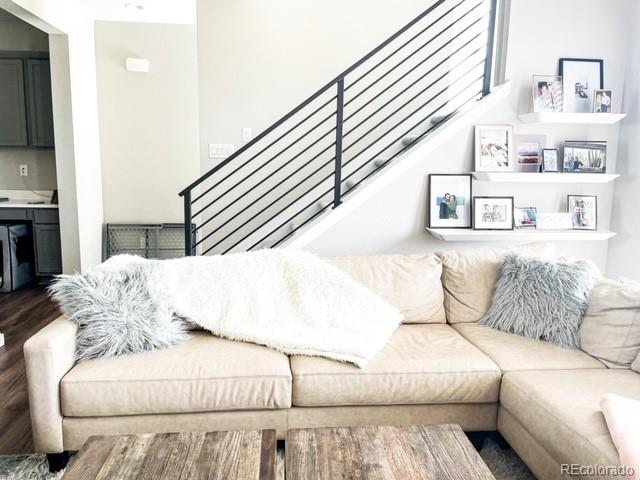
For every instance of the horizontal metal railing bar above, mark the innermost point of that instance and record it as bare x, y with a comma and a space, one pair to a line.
377, 155
217, 213
402, 121
300, 182
387, 103
315, 95
419, 49
404, 149
328, 117
283, 223
316, 185
319, 212
231, 188
381, 62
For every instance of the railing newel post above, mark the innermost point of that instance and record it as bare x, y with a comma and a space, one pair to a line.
188, 233
337, 188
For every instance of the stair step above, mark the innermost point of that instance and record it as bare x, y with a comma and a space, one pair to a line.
406, 141
439, 118
322, 204
378, 162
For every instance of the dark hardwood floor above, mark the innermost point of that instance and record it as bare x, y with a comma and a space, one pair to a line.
22, 313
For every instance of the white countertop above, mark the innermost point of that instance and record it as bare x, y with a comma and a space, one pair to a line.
23, 204
21, 199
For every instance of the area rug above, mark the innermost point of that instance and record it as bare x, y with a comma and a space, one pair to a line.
504, 464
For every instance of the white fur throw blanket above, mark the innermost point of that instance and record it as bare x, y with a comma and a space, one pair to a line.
288, 300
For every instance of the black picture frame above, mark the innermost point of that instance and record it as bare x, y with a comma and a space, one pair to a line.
489, 198
595, 197
558, 160
430, 189
592, 60
562, 73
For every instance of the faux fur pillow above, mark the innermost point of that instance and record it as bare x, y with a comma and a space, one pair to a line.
118, 310
540, 299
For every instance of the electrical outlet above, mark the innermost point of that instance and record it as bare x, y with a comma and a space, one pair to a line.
24, 170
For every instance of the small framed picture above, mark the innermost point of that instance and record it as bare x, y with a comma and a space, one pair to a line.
585, 157
493, 148
547, 93
550, 160
602, 101
580, 78
525, 217
493, 213
584, 211
449, 201
529, 151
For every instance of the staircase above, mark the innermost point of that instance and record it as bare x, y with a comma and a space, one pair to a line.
315, 157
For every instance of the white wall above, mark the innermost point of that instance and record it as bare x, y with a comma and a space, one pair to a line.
623, 258
16, 35
258, 62
148, 121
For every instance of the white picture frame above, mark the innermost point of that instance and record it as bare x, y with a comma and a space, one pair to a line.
494, 148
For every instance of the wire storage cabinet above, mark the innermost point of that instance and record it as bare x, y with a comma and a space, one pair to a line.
158, 240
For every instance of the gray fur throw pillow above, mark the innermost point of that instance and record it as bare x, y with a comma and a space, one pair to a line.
541, 299
118, 312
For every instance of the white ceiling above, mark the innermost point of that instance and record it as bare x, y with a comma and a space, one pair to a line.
154, 11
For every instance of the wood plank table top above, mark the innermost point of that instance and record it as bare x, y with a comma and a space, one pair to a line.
383, 452
245, 455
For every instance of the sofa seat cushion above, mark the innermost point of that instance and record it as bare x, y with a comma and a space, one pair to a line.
513, 352
421, 364
561, 410
203, 375
411, 283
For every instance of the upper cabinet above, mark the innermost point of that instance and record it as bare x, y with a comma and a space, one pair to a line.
25, 102
13, 119
40, 112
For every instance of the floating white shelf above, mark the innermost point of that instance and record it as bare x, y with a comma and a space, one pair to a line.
575, 118
532, 177
521, 235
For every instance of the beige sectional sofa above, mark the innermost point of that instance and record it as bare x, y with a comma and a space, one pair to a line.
439, 367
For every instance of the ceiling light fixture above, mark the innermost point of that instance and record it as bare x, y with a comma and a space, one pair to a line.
134, 6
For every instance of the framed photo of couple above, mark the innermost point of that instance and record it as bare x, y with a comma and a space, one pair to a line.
449, 201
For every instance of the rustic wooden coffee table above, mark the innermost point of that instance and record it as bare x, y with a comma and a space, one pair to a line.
411, 452
178, 456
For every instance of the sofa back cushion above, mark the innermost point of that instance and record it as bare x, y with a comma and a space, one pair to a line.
469, 278
611, 329
411, 283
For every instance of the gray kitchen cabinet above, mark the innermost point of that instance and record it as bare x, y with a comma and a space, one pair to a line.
48, 253
13, 119
40, 109
45, 228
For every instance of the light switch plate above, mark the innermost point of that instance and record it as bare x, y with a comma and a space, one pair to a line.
24, 170
247, 134
221, 150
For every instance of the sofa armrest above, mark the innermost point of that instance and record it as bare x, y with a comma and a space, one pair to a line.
48, 356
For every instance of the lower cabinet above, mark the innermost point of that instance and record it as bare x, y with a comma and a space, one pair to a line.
48, 253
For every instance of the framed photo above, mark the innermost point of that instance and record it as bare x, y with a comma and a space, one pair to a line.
550, 160
580, 78
584, 211
525, 217
494, 148
449, 201
602, 101
547, 93
585, 157
529, 151
493, 213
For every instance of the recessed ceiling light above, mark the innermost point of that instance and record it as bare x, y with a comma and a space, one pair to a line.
134, 5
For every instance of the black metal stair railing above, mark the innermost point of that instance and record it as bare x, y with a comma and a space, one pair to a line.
306, 163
